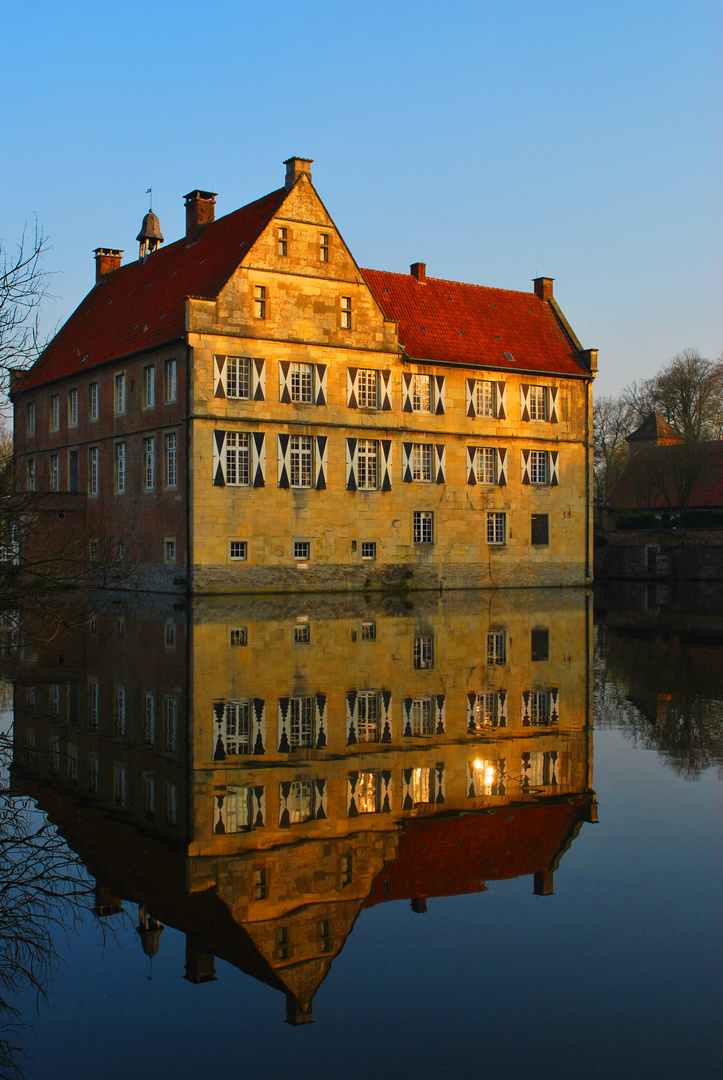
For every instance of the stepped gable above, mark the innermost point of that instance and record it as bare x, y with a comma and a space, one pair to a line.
474, 325
448, 856
143, 304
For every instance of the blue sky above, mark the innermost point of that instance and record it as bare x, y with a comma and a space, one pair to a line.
495, 141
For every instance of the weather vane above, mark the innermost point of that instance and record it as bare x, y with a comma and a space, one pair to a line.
150, 202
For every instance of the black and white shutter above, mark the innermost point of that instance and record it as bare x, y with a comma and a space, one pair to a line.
258, 729
440, 467
384, 780
352, 458
471, 397
320, 384
472, 464
407, 718
352, 387
321, 721
219, 376
407, 392
525, 708
321, 462
386, 716
258, 459
284, 461
219, 458
258, 380
438, 395
501, 401
439, 792
502, 467
385, 390
285, 381
525, 466
471, 713
284, 811
407, 462
554, 470
502, 708
320, 810
407, 789
440, 714
554, 706
284, 712
351, 717
552, 392
385, 464
524, 401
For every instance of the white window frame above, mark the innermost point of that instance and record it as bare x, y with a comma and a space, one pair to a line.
422, 465
538, 467
32, 418
120, 467
171, 445
301, 461
238, 550
149, 463
485, 398
423, 651
367, 475
486, 462
93, 470
73, 408
55, 412
55, 472
238, 377
149, 386
302, 550
496, 528
497, 647
368, 549
301, 382
120, 393
423, 522
420, 393
238, 458
171, 373
367, 394
93, 401
537, 402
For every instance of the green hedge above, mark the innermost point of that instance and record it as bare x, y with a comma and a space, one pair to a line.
689, 519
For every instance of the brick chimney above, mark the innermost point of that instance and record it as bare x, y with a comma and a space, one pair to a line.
543, 287
418, 271
199, 213
106, 259
295, 166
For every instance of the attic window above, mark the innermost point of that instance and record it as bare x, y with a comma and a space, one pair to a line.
510, 357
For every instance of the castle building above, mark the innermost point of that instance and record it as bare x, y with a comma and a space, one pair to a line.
247, 409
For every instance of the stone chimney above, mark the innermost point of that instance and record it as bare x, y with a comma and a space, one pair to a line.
295, 166
418, 271
542, 883
199, 213
106, 259
543, 287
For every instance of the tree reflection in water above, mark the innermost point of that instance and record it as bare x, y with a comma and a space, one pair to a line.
44, 890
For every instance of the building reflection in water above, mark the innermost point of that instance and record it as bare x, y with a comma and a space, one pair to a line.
255, 772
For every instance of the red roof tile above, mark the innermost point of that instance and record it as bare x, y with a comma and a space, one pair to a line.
629, 494
474, 325
143, 304
454, 855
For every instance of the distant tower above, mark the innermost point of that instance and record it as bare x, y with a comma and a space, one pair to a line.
150, 235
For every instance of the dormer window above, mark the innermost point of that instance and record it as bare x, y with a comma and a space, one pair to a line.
283, 241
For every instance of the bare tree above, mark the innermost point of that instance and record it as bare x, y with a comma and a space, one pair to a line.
687, 392
23, 284
612, 420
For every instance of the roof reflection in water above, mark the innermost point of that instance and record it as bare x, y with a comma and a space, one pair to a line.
256, 771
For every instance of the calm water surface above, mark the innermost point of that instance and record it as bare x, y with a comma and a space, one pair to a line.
464, 835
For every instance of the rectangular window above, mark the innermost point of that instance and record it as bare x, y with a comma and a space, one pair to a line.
301, 459
283, 241
422, 462
301, 803
120, 467
540, 529
171, 460
237, 722
539, 708
368, 716
149, 731
54, 412
238, 549
488, 711
496, 527
540, 644
235, 813
170, 635
485, 398
238, 464
538, 466
346, 870
149, 795
93, 400
301, 722
149, 386
149, 463
55, 699
497, 647
93, 703
369, 631
302, 634
302, 549
421, 393
171, 804
171, 723
537, 399
369, 549
422, 717
31, 418
120, 786
423, 527
424, 651
302, 379
260, 301
73, 408
120, 393
120, 711
92, 470
55, 472
259, 884
238, 377
346, 313
171, 380
93, 550
368, 388
169, 547
121, 550
73, 764
324, 247
94, 774
367, 792
239, 636
32, 481
486, 465
367, 457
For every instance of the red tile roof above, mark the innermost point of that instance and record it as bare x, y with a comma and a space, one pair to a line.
143, 304
453, 855
474, 325
629, 494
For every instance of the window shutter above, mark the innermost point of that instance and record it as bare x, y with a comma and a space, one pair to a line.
470, 395
524, 401
440, 791
258, 459
258, 806
258, 380
284, 381
471, 713
219, 458
259, 726
386, 464
284, 815
502, 467
554, 706
284, 460
525, 464
351, 806
440, 714
385, 390
283, 719
351, 464
386, 716
406, 392
219, 746
552, 404
219, 376
407, 449
440, 469
501, 403
525, 708
407, 718
321, 721
321, 462
351, 717
554, 457
502, 708
407, 793
471, 464
438, 392
471, 792
321, 371
385, 785
352, 380
320, 800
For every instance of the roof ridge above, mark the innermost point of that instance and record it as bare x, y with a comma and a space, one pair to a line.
448, 281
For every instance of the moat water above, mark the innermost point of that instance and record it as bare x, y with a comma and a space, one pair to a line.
468, 835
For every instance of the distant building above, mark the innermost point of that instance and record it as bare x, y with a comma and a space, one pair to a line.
247, 409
